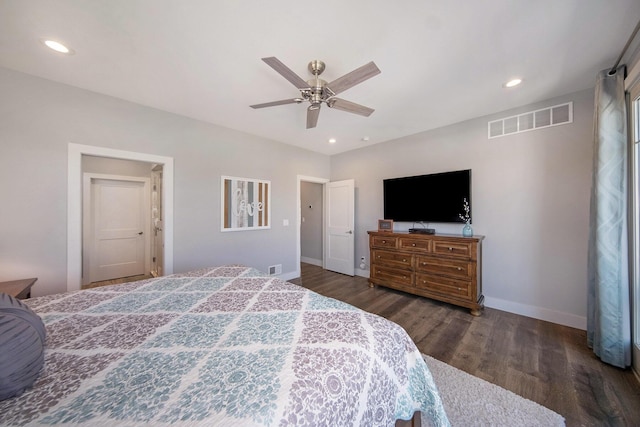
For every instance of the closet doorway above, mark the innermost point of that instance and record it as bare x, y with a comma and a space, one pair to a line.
75, 202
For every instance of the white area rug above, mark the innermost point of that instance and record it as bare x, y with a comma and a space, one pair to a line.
471, 401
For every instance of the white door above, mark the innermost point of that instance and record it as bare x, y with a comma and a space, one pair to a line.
339, 237
119, 211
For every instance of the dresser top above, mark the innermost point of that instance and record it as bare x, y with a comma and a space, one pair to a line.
475, 237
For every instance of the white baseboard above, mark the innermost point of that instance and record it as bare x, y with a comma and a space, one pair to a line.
561, 318
289, 275
362, 273
312, 261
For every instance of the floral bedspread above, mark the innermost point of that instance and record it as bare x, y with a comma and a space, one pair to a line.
220, 346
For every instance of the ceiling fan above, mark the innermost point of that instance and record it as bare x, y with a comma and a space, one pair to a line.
316, 91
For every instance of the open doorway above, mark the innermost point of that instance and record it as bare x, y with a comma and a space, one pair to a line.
311, 223
310, 183
75, 205
336, 219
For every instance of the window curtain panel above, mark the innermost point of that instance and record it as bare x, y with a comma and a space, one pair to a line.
608, 310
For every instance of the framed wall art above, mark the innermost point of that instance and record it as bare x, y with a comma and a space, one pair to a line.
246, 204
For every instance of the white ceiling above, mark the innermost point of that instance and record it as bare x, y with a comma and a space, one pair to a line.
442, 61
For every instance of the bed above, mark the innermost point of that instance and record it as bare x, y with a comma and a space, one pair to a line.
227, 346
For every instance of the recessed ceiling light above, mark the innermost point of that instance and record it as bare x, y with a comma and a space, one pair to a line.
58, 47
332, 140
512, 83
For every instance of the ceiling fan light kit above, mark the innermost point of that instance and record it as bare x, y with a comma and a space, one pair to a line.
317, 91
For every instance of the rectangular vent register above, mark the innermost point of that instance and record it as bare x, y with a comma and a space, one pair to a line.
561, 114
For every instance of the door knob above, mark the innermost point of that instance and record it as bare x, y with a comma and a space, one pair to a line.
140, 233
349, 232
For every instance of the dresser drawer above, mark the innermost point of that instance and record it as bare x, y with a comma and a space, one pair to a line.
452, 248
392, 275
392, 259
384, 242
416, 245
444, 286
449, 267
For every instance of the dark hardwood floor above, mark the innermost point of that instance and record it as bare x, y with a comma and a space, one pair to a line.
541, 361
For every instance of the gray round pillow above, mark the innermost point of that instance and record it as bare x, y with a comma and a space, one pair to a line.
22, 340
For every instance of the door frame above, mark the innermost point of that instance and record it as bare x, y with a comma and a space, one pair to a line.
633, 90
314, 180
74, 204
88, 219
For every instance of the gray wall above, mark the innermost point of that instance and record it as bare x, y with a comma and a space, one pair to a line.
530, 199
40, 118
311, 226
530, 190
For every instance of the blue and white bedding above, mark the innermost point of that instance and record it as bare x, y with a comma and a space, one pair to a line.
221, 346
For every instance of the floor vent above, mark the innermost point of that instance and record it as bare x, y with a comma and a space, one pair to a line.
551, 116
275, 270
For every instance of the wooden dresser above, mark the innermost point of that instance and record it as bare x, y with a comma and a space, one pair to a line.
443, 267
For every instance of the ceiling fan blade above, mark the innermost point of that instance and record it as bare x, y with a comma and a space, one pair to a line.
274, 103
312, 115
350, 107
286, 72
353, 78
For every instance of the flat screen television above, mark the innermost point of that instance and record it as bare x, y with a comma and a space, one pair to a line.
437, 197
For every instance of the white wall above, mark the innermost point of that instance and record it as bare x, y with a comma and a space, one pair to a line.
530, 194
40, 118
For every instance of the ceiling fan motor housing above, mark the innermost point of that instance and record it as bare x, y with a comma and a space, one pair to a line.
317, 92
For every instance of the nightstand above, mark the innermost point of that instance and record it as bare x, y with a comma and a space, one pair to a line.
20, 289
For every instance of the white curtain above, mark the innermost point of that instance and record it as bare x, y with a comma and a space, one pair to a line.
608, 314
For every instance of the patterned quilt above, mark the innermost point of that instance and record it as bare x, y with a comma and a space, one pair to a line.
221, 346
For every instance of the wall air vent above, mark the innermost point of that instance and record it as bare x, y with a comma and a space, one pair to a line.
275, 269
551, 116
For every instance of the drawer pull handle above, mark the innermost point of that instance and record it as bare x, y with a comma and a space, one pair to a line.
424, 263
459, 268
378, 256
384, 241
424, 282
413, 244
404, 260
450, 249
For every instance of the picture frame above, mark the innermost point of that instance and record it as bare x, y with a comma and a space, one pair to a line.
245, 204
385, 225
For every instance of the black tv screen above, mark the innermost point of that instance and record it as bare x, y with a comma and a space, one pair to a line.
435, 197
